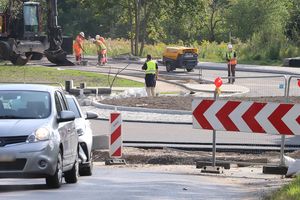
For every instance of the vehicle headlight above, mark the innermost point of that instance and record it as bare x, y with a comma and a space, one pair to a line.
40, 134
80, 131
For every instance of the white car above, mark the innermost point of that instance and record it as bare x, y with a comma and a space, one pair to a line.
85, 134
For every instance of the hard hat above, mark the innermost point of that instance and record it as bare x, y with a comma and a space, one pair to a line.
97, 37
229, 46
82, 34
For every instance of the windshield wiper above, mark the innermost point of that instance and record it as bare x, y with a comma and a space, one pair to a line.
14, 117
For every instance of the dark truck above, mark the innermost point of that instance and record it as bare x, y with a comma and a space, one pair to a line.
180, 57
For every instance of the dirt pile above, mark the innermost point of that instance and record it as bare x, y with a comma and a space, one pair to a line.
182, 102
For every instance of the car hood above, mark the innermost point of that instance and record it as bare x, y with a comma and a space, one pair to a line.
20, 127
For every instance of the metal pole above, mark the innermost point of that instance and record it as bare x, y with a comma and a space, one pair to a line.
286, 94
216, 95
214, 149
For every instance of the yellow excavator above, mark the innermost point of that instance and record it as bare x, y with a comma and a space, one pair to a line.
22, 37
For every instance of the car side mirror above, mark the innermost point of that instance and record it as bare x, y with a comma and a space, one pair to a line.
91, 115
66, 116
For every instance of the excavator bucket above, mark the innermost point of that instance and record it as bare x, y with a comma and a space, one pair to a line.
58, 57
55, 53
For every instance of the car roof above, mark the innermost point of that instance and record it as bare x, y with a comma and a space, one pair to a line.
29, 87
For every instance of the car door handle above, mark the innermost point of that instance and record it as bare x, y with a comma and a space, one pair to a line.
69, 130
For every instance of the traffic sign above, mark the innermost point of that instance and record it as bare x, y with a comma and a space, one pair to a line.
246, 116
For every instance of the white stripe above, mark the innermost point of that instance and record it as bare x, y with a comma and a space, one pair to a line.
115, 124
262, 118
114, 147
236, 116
290, 119
210, 115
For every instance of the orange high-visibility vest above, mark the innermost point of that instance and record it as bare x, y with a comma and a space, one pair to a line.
77, 46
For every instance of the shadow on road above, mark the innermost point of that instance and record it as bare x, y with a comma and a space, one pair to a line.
14, 188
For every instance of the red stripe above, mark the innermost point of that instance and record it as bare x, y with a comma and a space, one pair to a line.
200, 110
298, 120
115, 135
276, 119
249, 117
114, 116
117, 152
223, 115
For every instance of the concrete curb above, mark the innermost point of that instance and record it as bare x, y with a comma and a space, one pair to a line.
150, 122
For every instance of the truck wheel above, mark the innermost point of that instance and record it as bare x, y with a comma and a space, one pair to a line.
168, 67
72, 175
18, 59
55, 181
5, 50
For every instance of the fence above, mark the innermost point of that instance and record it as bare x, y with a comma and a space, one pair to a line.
277, 88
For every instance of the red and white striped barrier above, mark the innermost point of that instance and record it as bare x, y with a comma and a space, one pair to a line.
115, 144
253, 117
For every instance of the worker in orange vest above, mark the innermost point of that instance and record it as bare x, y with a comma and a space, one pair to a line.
78, 47
231, 63
101, 50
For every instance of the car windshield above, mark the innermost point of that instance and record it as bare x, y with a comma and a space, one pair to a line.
24, 105
73, 107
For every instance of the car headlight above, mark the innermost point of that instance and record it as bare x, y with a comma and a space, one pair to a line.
40, 134
80, 131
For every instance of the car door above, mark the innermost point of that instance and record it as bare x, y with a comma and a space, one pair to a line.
67, 132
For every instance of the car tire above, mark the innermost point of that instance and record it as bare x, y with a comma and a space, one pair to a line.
87, 170
168, 67
72, 175
55, 181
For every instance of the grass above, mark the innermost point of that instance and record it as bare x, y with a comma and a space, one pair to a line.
208, 51
51, 74
287, 192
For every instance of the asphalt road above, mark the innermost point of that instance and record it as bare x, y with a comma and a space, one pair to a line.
180, 135
148, 182
260, 81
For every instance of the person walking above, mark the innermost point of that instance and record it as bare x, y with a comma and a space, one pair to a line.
151, 75
231, 63
78, 47
101, 50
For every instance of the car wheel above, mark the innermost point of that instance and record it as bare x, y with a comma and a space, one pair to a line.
168, 67
55, 181
87, 170
72, 175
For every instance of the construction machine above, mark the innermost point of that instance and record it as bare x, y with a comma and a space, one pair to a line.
22, 37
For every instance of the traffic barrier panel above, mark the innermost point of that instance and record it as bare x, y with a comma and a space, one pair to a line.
115, 140
115, 144
259, 89
246, 116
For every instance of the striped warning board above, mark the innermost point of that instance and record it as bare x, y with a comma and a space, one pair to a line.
115, 147
245, 116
